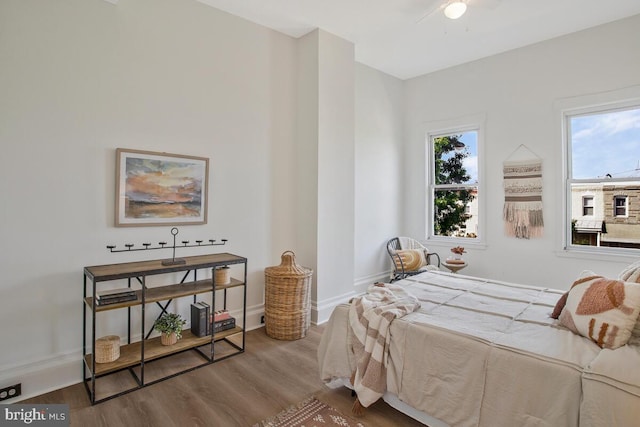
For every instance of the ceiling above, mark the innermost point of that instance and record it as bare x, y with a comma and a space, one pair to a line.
395, 36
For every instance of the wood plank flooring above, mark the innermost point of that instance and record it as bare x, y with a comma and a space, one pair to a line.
268, 377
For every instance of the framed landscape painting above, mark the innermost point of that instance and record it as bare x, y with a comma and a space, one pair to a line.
160, 188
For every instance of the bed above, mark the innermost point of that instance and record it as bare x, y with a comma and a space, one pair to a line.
479, 352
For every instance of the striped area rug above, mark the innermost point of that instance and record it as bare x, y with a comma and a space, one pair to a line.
309, 413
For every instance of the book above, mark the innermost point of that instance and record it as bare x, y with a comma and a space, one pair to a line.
220, 315
223, 325
115, 300
199, 316
208, 322
115, 293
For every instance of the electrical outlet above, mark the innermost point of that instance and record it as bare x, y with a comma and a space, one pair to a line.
262, 319
11, 391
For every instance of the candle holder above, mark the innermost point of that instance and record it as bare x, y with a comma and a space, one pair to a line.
130, 247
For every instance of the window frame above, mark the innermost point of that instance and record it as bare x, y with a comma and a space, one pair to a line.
452, 127
619, 100
585, 206
625, 206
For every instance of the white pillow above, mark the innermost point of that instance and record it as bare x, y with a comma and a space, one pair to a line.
631, 273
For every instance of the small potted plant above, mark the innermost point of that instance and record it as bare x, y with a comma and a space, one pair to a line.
170, 325
458, 251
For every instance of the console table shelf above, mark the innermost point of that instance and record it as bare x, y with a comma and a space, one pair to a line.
134, 355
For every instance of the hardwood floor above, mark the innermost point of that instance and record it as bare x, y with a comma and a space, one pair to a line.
268, 377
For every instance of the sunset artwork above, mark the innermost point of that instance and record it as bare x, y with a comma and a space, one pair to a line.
159, 188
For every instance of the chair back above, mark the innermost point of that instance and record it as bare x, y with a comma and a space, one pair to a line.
393, 245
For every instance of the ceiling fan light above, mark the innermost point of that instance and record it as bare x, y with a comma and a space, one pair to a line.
455, 10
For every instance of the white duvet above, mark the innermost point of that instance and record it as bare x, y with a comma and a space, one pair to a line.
485, 353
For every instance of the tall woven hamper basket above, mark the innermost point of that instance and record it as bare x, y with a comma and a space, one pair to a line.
287, 290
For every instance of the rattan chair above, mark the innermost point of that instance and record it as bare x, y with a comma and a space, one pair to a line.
402, 243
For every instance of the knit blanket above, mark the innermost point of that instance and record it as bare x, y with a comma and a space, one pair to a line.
370, 316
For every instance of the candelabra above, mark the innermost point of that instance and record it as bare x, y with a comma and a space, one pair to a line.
130, 247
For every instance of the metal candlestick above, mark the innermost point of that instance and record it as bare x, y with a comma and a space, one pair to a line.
162, 245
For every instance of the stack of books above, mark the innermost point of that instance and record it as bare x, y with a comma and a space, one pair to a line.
114, 296
200, 325
222, 321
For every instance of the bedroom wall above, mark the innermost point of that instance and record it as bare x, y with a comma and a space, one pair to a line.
516, 92
325, 178
80, 78
378, 173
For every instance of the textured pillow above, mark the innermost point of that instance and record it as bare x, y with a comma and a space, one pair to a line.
631, 273
563, 299
603, 310
412, 259
560, 305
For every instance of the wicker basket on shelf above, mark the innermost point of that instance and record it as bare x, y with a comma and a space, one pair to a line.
223, 275
107, 349
287, 299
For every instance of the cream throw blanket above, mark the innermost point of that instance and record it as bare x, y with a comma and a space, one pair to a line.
370, 316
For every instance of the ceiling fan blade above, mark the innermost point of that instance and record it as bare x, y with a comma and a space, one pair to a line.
433, 8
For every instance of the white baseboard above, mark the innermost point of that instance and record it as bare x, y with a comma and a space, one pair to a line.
42, 376
362, 283
321, 310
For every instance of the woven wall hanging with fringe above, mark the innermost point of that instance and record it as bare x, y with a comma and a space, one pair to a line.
522, 211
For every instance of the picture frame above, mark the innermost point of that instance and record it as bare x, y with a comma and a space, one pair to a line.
154, 188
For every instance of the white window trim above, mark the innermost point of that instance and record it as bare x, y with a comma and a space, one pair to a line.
564, 108
593, 204
448, 127
626, 206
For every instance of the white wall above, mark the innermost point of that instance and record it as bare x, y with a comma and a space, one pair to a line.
80, 78
378, 183
516, 92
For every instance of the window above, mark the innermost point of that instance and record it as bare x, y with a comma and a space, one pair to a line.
587, 205
620, 206
453, 185
603, 176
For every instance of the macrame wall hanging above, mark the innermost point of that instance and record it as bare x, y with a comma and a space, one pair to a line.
522, 211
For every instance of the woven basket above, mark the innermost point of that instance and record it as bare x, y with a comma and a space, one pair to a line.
287, 296
223, 275
107, 349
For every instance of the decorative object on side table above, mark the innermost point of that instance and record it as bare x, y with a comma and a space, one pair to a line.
223, 275
107, 349
200, 319
453, 266
222, 321
458, 251
162, 245
170, 325
456, 263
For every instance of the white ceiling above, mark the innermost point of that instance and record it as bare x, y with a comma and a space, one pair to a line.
395, 37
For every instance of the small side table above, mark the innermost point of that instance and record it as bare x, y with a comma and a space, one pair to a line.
454, 268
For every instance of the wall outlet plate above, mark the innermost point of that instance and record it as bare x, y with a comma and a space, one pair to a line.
10, 392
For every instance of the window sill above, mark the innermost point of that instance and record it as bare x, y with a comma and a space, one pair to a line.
623, 257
